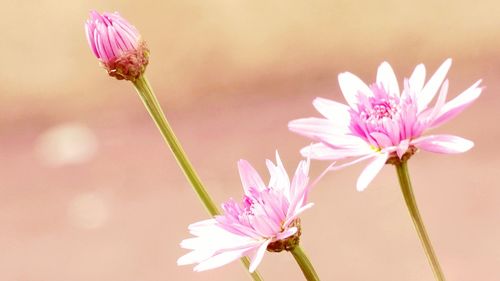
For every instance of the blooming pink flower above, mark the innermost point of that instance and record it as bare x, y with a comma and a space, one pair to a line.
382, 123
117, 44
266, 219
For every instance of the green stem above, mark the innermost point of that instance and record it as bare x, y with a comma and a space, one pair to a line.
148, 97
304, 263
153, 106
404, 181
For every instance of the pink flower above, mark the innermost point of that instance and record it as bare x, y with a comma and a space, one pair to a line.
266, 219
382, 123
117, 44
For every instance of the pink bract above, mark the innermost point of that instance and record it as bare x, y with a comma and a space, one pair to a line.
266, 219
381, 122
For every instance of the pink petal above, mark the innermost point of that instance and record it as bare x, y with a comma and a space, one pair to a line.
458, 104
355, 161
218, 238
220, 260
194, 228
440, 102
318, 178
113, 38
298, 200
89, 32
249, 177
272, 208
345, 142
106, 42
417, 78
443, 144
259, 255
324, 130
298, 187
316, 127
431, 87
287, 233
387, 78
297, 212
402, 148
196, 256
334, 111
279, 177
371, 171
382, 139
321, 151
263, 225
351, 86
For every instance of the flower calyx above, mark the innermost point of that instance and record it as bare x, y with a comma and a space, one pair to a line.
289, 243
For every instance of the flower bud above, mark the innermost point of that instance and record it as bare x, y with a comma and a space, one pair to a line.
117, 44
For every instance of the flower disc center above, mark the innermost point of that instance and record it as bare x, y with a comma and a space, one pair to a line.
378, 110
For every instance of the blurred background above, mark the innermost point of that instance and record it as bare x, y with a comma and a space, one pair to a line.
89, 191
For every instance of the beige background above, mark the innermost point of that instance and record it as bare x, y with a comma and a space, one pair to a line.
88, 190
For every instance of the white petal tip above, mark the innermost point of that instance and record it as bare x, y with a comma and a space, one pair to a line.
342, 74
447, 62
182, 261
468, 145
199, 268
361, 188
447, 144
305, 151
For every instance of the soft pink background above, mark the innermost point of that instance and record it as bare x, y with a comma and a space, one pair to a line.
88, 190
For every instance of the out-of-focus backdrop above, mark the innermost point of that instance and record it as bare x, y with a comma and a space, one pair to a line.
89, 191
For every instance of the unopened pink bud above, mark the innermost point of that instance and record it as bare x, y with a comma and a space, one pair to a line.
117, 44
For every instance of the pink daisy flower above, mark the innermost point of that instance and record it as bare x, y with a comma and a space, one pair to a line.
383, 124
266, 219
117, 44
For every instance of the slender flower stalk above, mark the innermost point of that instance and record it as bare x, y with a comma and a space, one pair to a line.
151, 103
304, 263
411, 203
119, 47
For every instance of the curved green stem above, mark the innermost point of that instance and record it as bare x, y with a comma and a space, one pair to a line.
304, 263
153, 106
411, 203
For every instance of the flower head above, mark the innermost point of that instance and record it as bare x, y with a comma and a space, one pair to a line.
117, 44
266, 219
383, 123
